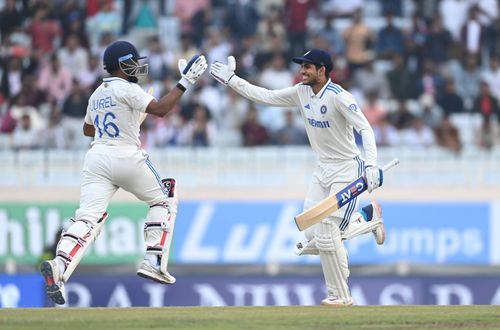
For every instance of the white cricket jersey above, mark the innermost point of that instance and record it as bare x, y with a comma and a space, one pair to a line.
114, 109
329, 117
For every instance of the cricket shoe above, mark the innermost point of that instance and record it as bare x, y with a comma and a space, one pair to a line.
378, 232
54, 286
337, 302
148, 271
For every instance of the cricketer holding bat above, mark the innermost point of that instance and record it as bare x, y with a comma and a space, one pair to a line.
116, 160
330, 114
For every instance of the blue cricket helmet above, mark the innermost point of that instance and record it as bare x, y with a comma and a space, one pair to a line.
123, 55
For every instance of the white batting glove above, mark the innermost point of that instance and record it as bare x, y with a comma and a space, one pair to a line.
223, 72
374, 177
192, 70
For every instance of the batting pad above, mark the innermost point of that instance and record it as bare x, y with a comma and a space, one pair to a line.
333, 260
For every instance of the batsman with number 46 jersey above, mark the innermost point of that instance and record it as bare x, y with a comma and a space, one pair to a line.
330, 114
116, 160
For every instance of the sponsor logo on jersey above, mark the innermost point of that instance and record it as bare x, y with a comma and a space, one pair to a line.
318, 123
323, 109
353, 107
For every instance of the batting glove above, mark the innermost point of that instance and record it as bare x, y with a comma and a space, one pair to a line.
223, 72
192, 70
374, 177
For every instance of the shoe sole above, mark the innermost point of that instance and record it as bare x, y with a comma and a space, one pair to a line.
382, 226
149, 276
53, 290
337, 305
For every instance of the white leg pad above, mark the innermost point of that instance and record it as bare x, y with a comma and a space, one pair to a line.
75, 241
158, 233
360, 226
333, 260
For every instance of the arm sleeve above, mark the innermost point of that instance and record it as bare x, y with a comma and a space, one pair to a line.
352, 112
286, 97
137, 98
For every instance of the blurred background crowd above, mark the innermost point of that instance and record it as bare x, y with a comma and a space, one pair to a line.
425, 73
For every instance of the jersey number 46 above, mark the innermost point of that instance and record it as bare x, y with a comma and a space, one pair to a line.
106, 126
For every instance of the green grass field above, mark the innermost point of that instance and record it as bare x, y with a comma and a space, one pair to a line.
296, 317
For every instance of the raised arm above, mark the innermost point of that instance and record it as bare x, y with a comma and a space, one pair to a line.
190, 72
224, 73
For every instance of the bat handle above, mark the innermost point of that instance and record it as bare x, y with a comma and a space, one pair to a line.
390, 164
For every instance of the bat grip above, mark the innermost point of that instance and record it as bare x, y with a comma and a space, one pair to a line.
390, 164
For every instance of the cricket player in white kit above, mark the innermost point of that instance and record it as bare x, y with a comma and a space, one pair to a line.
116, 160
330, 114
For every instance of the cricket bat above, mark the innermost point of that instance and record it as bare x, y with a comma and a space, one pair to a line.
334, 202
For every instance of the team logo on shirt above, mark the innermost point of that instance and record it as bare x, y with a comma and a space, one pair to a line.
323, 109
307, 106
353, 107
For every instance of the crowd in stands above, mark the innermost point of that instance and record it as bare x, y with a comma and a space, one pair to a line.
425, 73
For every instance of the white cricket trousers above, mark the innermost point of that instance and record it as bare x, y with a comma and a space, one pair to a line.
327, 179
107, 168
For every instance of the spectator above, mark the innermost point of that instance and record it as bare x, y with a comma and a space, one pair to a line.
72, 116
449, 100
253, 132
467, 79
447, 135
44, 31
52, 136
454, 14
56, 80
10, 19
402, 118
73, 56
276, 75
185, 10
331, 36
415, 44
491, 76
485, 103
12, 77
271, 32
106, 21
200, 131
429, 81
492, 37
400, 80
373, 112
242, 19
471, 35
296, 13
438, 42
371, 81
92, 75
158, 59
390, 39
386, 134
359, 39
431, 114
25, 136
418, 134
290, 134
